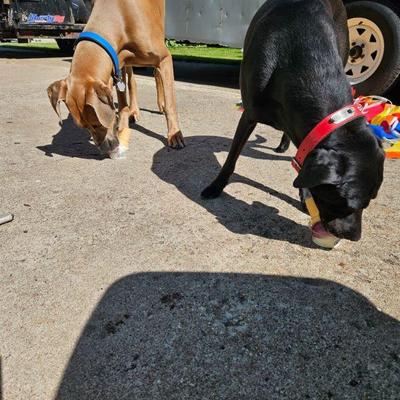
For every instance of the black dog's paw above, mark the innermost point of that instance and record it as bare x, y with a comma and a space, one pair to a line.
211, 192
283, 145
280, 149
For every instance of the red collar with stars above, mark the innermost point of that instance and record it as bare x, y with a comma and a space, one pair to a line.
323, 129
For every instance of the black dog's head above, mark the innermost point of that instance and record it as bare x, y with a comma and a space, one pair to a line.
343, 174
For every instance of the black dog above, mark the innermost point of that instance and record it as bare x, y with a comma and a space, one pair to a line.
292, 77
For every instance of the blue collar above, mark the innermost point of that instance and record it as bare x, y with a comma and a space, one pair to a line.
96, 38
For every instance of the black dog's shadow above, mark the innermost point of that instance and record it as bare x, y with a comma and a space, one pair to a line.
178, 336
194, 167
72, 141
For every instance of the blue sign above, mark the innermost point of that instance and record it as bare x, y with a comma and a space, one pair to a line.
45, 19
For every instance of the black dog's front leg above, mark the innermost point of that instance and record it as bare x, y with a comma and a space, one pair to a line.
284, 144
243, 132
302, 196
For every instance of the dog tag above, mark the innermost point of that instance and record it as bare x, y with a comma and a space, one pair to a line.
121, 86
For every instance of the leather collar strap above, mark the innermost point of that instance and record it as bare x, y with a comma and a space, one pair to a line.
96, 38
328, 125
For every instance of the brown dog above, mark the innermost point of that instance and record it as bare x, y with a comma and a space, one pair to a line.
135, 29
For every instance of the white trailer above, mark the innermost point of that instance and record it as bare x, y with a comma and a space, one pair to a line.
223, 22
374, 25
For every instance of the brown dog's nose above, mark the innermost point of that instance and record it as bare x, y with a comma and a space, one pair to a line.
109, 145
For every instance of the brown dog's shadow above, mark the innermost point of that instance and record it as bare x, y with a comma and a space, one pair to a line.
190, 170
72, 141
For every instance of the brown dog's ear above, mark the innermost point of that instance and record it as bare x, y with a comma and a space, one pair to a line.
100, 98
57, 93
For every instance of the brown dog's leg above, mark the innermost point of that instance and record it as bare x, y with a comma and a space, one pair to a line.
166, 71
123, 109
133, 104
243, 132
122, 102
160, 91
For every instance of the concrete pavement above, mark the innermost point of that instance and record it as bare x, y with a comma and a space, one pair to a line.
119, 282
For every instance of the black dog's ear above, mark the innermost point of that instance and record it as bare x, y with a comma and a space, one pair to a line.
321, 167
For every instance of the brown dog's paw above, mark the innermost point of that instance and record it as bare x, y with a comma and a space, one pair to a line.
176, 141
134, 116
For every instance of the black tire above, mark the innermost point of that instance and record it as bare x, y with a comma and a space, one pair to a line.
388, 22
66, 46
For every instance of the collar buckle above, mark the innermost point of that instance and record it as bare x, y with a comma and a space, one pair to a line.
342, 115
323, 129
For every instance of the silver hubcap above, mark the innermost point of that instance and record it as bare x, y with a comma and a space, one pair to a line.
367, 47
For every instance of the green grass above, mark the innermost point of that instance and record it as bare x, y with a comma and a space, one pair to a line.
30, 46
204, 53
199, 53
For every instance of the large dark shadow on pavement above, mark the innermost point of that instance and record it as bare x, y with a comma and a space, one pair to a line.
72, 141
217, 74
191, 169
227, 336
225, 75
20, 52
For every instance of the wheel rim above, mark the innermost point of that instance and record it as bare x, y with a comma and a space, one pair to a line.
367, 47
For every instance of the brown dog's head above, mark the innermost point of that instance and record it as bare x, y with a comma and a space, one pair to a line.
91, 105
